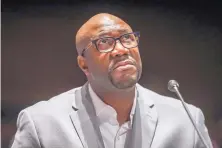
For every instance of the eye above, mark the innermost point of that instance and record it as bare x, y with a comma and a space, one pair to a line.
105, 41
127, 36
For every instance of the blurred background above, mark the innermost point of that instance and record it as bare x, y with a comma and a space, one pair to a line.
180, 39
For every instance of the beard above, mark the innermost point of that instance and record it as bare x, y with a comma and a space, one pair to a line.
126, 81
117, 77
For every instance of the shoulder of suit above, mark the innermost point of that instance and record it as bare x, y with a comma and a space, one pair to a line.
162, 100
59, 103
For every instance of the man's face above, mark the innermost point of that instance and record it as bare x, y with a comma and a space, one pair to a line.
120, 68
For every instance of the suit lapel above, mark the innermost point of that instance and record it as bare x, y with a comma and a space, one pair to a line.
149, 125
85, 122
145, 120
84, 119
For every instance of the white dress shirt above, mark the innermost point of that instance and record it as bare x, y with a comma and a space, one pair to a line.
114, 135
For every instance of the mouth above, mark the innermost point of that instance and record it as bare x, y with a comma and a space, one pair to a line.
124, 64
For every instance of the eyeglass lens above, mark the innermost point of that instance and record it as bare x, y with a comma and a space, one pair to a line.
107, 44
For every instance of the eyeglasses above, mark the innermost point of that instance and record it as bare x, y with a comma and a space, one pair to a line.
107, 44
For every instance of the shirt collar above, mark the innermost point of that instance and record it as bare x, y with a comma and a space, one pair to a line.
104, 111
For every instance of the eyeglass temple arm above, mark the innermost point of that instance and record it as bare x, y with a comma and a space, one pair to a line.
82, 54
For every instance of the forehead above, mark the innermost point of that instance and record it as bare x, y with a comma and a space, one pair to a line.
100, 25
110, 26
107, 21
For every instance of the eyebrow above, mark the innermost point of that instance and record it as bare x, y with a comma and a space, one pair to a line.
102, 32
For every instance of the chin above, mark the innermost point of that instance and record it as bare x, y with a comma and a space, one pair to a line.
124, 81
124, 84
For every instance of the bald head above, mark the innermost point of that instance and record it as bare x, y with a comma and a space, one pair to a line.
101, 22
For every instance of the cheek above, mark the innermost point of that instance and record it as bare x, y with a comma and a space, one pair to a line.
136, 55
99, 63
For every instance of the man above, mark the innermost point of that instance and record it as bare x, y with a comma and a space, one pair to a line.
111, 110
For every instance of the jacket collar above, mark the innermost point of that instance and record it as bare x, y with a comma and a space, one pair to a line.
86, 123
141, 93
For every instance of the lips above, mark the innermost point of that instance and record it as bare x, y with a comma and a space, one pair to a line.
123, 63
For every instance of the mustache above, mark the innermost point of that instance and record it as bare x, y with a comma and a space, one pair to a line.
115, 62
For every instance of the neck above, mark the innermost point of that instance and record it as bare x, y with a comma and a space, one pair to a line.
120, 100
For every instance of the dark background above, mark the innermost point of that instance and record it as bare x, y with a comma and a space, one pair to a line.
180, 40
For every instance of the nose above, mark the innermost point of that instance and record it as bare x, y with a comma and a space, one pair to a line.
119, 50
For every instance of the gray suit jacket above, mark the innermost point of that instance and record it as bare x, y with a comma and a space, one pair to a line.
68, 121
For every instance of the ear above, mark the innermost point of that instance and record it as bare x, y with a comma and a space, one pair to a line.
83, 64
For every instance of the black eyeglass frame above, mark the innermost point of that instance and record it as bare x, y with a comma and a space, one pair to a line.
137, 34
